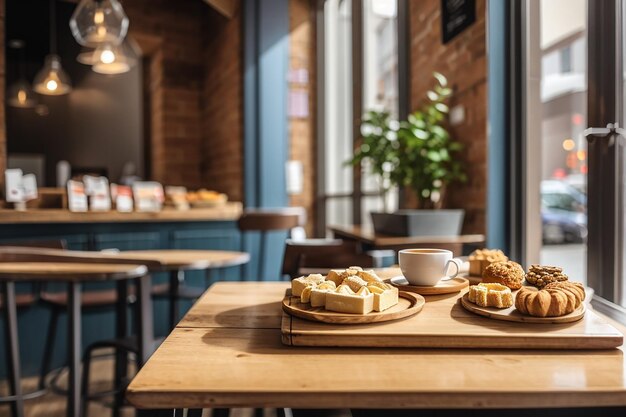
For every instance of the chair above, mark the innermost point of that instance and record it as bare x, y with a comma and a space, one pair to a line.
319, 255
269, 220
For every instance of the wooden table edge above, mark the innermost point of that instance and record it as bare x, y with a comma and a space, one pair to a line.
137, 272
479, 399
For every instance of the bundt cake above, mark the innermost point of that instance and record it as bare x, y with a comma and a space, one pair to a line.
554, 300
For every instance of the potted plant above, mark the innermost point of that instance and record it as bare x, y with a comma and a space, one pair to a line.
418, 154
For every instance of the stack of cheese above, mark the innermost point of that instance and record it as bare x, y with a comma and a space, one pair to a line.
351, 290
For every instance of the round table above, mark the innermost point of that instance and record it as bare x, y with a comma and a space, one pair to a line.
74, 274
176, 262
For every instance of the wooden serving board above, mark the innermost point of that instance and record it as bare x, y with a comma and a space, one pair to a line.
512, 314
444, 323
408, 305
443, 287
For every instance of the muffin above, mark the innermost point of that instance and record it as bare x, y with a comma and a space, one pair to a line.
482, 258
508, 273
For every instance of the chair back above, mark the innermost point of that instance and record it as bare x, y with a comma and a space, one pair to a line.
265, 221
320, 255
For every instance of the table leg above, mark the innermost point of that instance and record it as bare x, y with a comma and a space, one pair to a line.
73, 349
176, 277
144, 323
121, 332
12, 348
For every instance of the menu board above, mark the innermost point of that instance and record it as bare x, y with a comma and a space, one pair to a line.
456, 16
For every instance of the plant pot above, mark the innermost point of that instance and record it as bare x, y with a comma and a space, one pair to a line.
419, 222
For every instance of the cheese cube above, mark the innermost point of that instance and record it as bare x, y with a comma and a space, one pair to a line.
299, 284
343, 301
369, 276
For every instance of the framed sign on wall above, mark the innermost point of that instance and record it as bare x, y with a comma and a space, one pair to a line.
456, 16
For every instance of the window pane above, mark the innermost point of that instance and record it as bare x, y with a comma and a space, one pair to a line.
337, 95
380, 68
339, 211
563, 165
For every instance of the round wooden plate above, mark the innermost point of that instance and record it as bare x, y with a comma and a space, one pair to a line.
443, 287
512, 314
408, 305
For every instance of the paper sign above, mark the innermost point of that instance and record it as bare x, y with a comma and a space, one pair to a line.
13, 182
76, 197
29, 187
148, 195
123, 197
97, 188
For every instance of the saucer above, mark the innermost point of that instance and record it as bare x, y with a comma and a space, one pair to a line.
445, 286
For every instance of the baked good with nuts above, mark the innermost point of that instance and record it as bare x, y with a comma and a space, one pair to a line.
541, 275
508, 273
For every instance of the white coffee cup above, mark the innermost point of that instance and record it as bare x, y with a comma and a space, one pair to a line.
427, 267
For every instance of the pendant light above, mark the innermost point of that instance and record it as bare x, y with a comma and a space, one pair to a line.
98, 22
20, 94
110, 59
52, 80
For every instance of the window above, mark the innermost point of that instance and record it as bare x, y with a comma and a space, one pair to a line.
360, 47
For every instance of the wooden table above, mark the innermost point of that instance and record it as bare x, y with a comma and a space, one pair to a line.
227, 352
373, 240
74, 274
176, 262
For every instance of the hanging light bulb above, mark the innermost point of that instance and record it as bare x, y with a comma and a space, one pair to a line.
20, 94
97, 22
111, 59
52, 80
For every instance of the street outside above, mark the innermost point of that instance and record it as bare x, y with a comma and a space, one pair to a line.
573, 259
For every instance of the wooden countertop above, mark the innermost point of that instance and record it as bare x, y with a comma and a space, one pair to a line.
227, 352
230, 211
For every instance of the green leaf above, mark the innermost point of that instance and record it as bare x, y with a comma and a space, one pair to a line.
420, 134
443, 81
442, 107
434, 156
432, 95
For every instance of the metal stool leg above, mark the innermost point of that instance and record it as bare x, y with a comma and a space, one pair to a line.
12, 348
121, 331
176, 277
46, 364
85, 383
144, 320
74, 349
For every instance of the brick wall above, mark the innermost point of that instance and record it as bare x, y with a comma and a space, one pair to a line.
175, 69
222, 98
302, 129
464, 62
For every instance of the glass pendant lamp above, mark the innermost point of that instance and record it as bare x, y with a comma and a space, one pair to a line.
98, 22
111, 59
19, 93
52, 80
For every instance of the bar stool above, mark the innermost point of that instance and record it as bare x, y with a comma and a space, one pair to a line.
269, 220
27, 267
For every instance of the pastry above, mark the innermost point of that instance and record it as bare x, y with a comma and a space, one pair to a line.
385, 296
540, 276
355, 283
482, 258
336, 276
305, 296
344, 300
507, 273
491, 295
318, 293
299, 284
556, 299
369, 276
